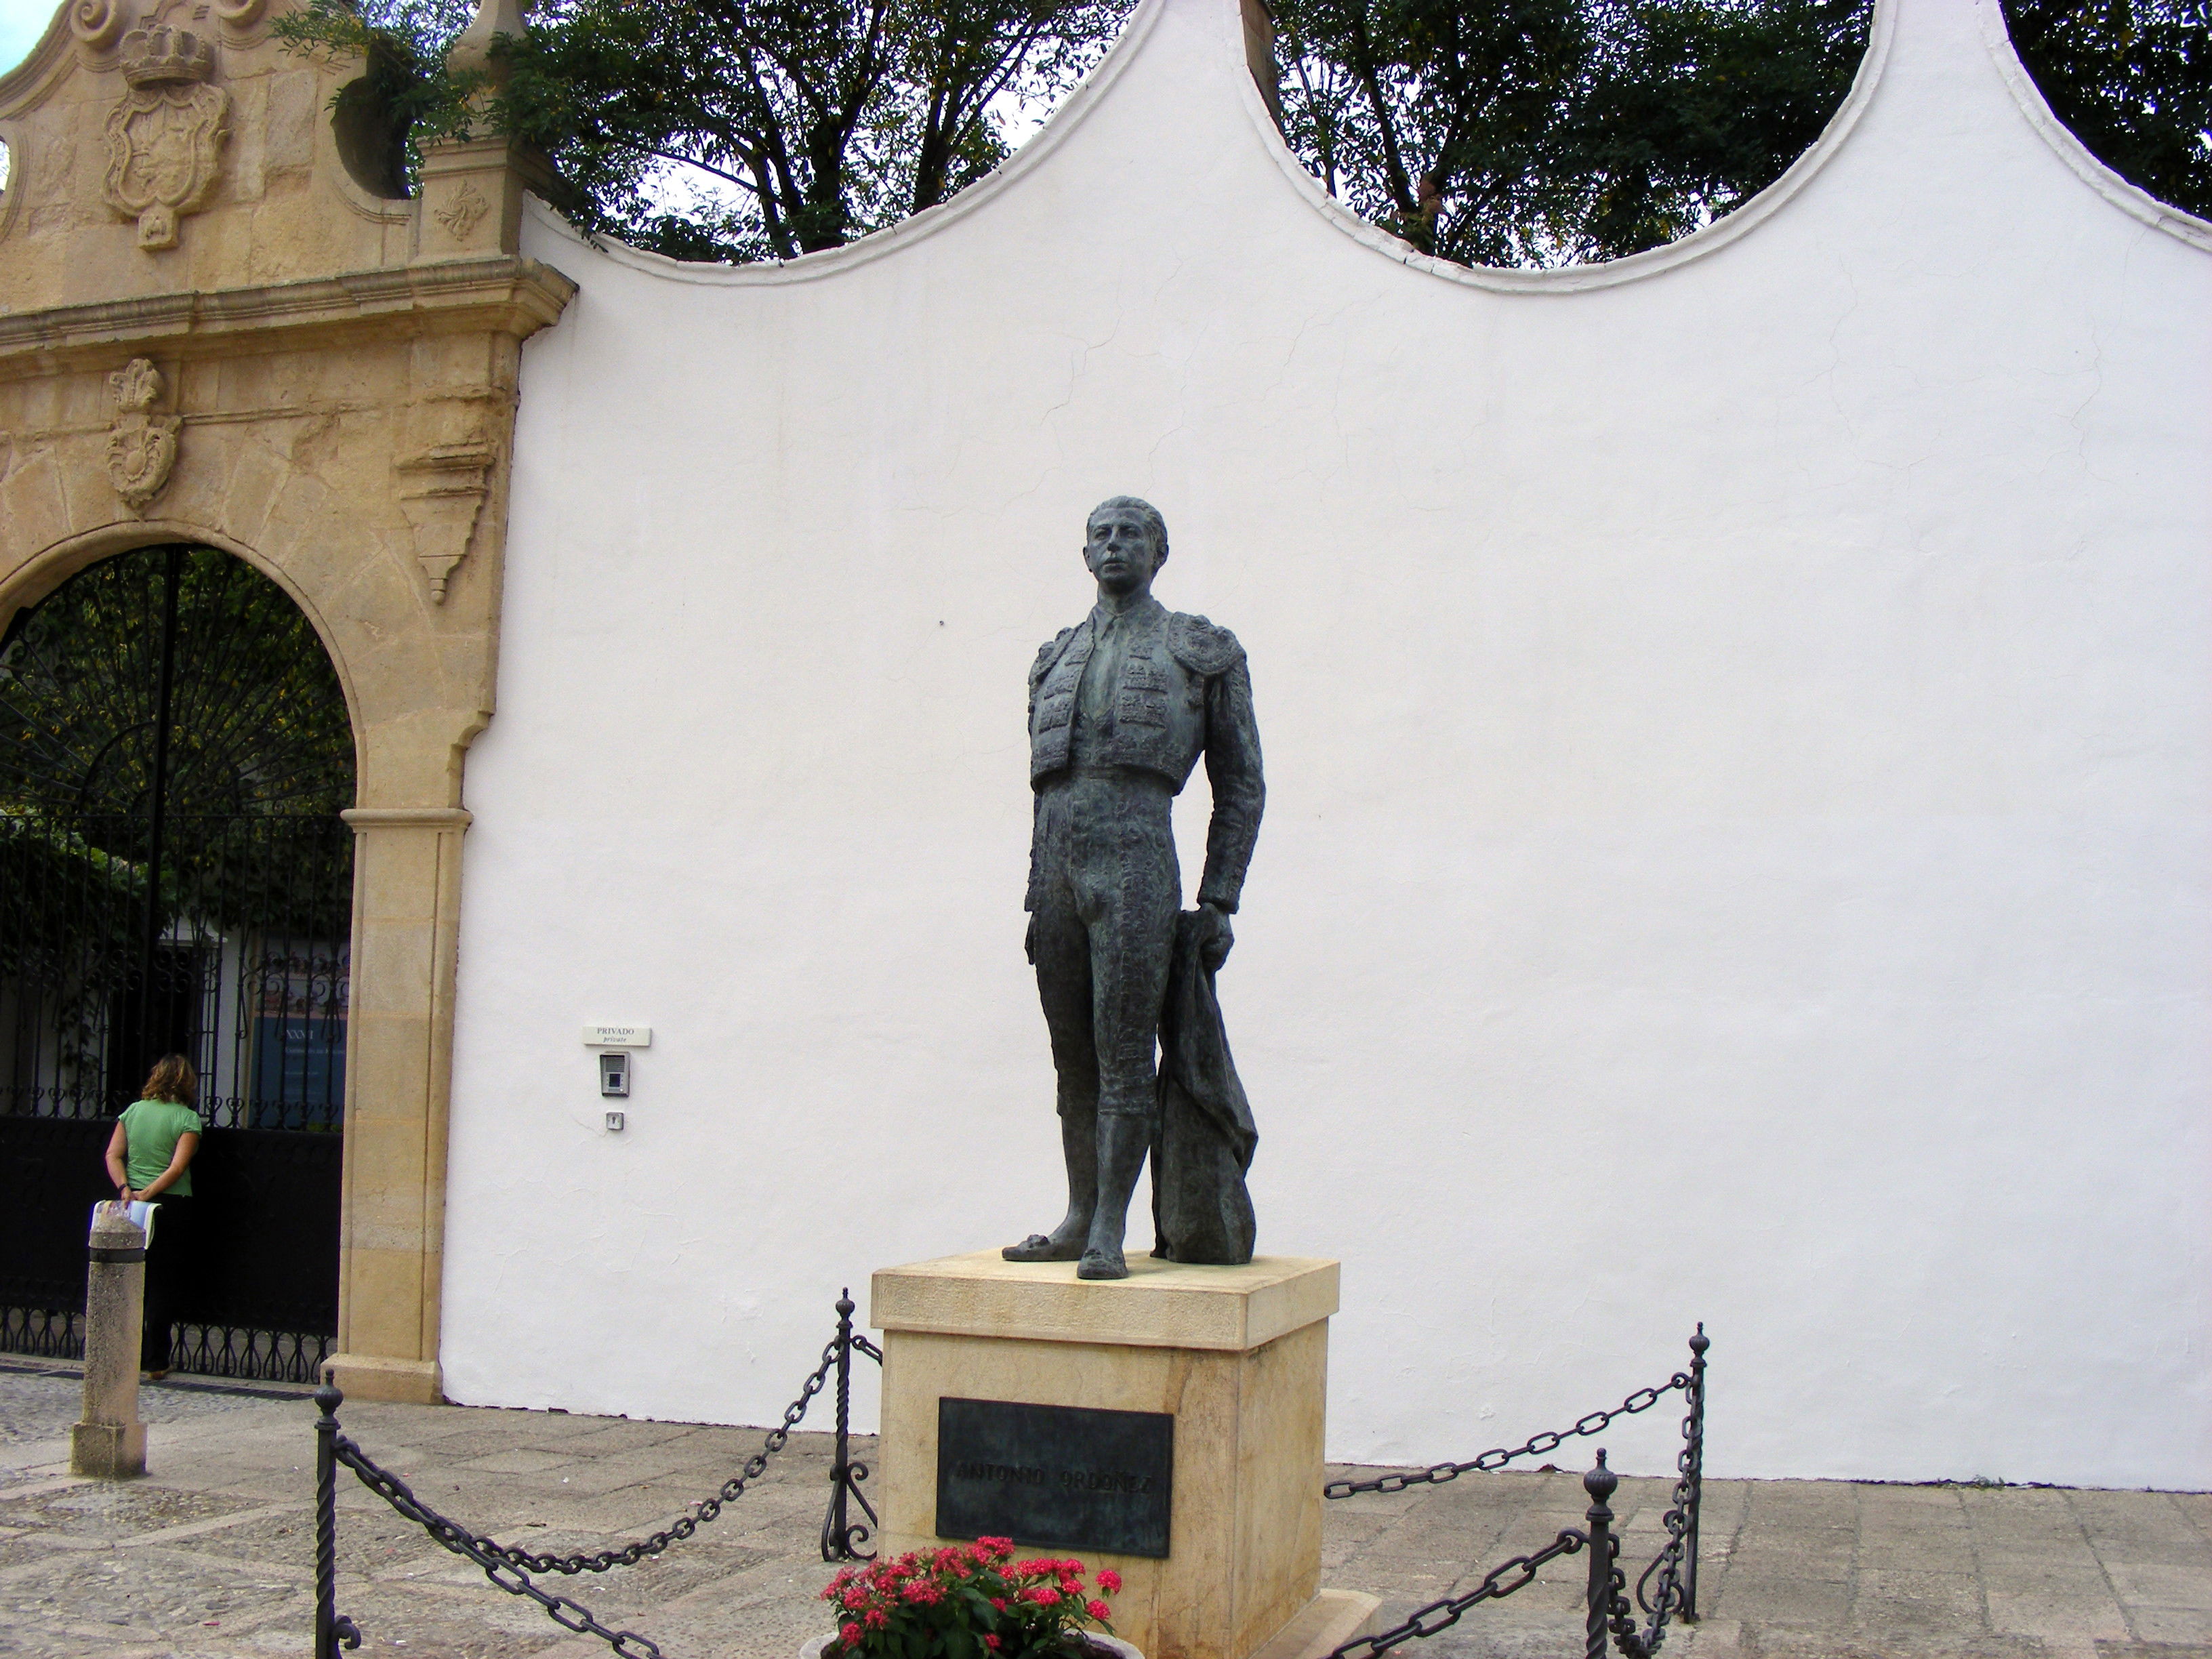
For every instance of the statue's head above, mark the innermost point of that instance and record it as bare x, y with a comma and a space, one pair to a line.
1125, 543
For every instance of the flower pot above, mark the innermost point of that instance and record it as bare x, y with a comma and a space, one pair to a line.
1105, 1646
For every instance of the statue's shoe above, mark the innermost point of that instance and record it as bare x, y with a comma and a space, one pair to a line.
1098, 1264
1037, 1248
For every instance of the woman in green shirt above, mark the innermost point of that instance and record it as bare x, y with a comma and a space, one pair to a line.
150, 1158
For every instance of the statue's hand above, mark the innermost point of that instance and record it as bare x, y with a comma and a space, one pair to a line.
1214, 949
1029, 942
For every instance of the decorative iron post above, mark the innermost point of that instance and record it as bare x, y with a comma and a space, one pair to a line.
837, 1528
332, 1626
1693, 1470
1599, 1483
841, 1470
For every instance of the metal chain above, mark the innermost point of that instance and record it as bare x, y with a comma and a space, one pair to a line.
1667, 1563
569, 1614
1496, 1458
1438, 1616
630, 1555
1621, 1615
506, 1566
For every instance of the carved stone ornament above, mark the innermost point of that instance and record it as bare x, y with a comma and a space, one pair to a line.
141, 446
461, 215
165, 137
441, 490
96, 22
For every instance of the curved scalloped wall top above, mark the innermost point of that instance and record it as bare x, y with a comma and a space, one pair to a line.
1231, 79
2130, 199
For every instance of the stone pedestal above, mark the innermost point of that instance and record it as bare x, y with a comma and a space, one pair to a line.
1238, 1356
109, 1443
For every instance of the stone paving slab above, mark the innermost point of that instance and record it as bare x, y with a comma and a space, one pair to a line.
209, 1557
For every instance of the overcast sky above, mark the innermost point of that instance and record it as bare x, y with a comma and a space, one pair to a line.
22, 23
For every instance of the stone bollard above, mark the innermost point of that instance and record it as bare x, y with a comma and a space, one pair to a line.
110, 1444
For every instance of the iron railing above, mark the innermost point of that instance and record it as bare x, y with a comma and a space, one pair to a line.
1666, 1589
509, 1567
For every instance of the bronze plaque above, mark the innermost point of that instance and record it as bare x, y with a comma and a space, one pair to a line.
1066, 1476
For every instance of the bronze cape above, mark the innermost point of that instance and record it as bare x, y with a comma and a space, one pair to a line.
1203, 1139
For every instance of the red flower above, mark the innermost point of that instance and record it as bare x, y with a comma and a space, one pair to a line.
999, 1602
992, 1643
1110, 1580
877, 1618
1044, 1594
849, 1633
923, 1594
855, 1596
1098, 1610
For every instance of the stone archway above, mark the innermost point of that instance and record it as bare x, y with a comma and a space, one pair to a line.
175, 878
322, 383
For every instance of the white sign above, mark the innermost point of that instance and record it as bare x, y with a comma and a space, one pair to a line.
618, 1036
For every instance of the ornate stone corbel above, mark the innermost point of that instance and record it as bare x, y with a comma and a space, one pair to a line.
441, 491
166, 136
142, 445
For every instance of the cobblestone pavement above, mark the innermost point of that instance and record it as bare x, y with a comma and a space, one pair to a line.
209, 1556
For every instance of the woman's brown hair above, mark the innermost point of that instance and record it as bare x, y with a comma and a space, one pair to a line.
173, 1078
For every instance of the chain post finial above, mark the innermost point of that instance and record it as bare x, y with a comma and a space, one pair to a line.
1600, 1483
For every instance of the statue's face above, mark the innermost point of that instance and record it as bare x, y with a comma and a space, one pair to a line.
1121, 550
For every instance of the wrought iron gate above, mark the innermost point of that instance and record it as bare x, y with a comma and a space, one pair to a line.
174, 877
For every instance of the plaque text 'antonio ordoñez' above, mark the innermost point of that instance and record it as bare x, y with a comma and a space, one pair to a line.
1063, 1475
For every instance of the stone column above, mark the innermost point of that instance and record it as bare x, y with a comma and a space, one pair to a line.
407, 882
110, 1444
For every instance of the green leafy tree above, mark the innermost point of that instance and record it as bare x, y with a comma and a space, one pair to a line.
2133, 81
1545, 132
732, 130
1508, 132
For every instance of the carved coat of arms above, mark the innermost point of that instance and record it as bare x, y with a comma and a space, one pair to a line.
165, 137
142, 445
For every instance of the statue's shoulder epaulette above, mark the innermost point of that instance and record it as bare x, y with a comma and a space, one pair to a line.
1200, 647
1048, 654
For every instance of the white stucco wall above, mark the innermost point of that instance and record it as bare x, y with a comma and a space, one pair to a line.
1737, 738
